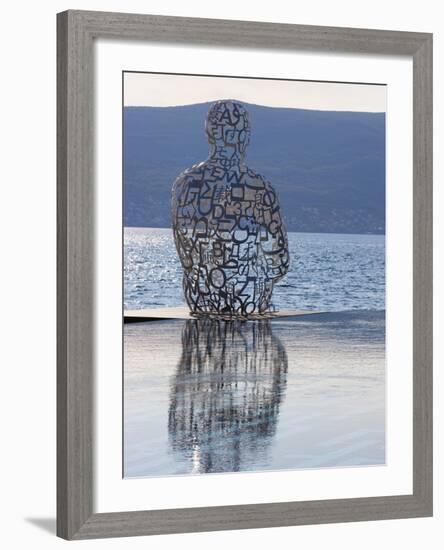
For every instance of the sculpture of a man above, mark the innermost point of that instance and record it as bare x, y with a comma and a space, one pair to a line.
227, 224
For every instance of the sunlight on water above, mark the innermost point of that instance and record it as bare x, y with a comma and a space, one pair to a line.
327, 272
206, 396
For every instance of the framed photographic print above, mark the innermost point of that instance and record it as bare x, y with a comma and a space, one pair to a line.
244, 274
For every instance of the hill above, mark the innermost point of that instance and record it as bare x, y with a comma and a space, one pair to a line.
328, 167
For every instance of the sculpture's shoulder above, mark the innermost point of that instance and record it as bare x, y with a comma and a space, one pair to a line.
251, 177
192, 174
187, 181
258, 182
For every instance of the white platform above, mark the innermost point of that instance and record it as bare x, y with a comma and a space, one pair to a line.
183, 312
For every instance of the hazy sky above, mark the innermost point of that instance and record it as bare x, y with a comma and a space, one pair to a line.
160, 90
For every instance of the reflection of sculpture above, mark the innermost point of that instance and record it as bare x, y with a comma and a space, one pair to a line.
227, 224
226, 394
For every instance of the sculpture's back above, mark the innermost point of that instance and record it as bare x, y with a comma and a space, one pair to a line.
227, 224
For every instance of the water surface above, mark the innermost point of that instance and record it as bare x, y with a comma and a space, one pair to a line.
217, 396
328, 272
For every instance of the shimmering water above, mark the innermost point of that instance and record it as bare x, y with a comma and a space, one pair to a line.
328, 272
206, 396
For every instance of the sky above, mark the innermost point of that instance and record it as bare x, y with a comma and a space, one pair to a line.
160, 90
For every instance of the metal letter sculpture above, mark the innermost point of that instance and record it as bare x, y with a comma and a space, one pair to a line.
227, 224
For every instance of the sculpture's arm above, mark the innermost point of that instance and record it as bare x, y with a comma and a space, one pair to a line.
183, 220
276, 249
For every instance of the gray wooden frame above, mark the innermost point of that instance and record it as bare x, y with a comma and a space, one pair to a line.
76, 32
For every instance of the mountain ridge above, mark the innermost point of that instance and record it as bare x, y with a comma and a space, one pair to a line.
328, 167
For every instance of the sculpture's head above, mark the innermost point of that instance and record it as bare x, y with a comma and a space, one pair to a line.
228, 125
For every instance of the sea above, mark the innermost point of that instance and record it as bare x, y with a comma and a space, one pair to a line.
328, 272
204, 396
208, 397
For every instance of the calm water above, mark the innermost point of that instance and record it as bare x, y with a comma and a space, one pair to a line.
206, 396
328, 272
